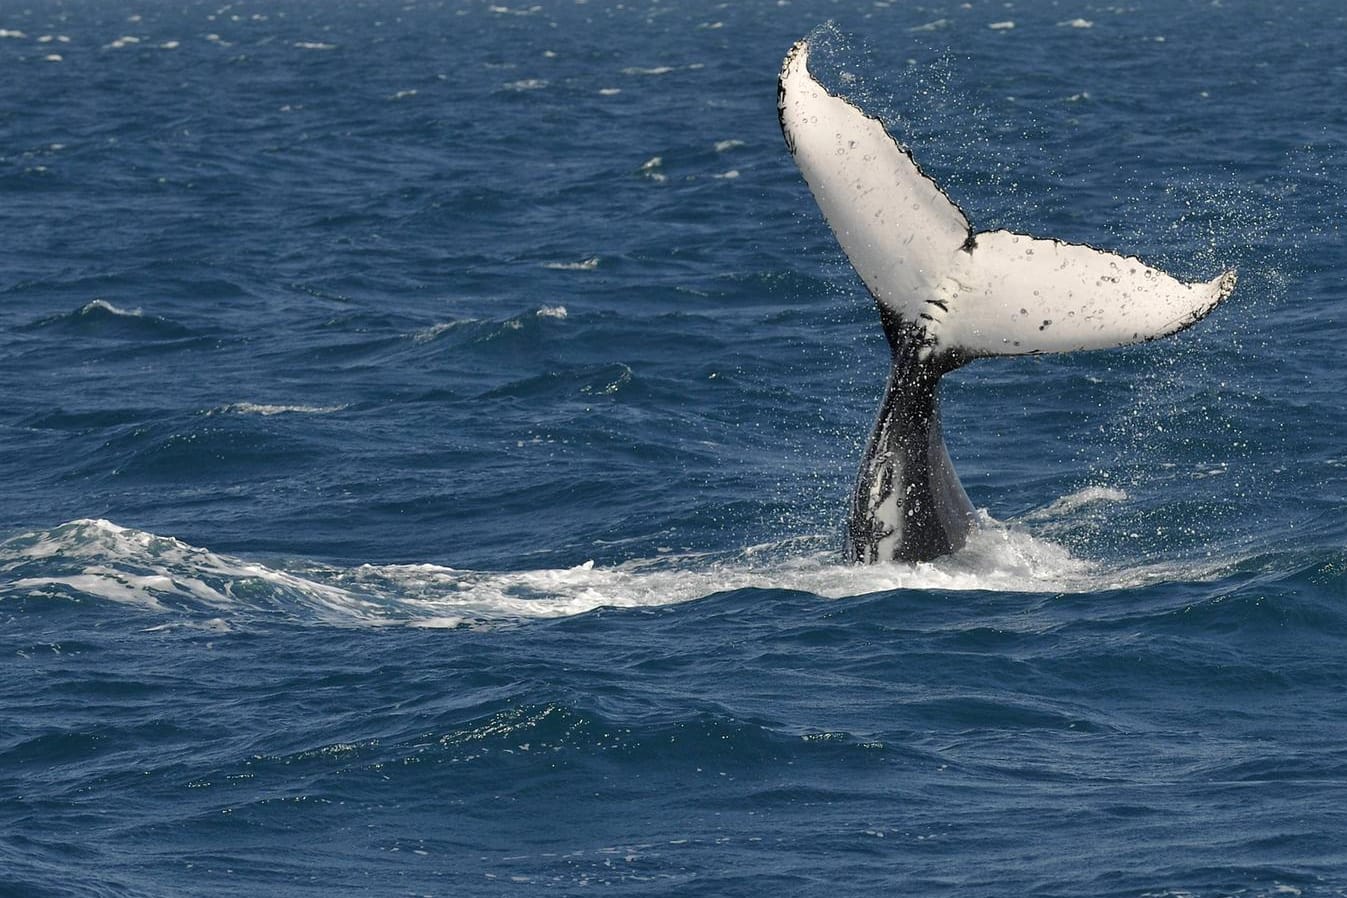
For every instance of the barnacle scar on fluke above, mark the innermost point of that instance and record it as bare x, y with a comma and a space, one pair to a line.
946, 296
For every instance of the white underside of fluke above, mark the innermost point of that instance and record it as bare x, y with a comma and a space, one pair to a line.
993, 293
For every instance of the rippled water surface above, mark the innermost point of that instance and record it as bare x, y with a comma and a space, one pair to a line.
426, 431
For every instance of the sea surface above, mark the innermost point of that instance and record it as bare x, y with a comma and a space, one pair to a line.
426, 430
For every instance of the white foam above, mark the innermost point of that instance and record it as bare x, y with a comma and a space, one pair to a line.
164, 574
127, 589
255, 408
1090, 495
306, 45
583, 265
102, 305
652, 70
426, 334
551, 312
11, 33
1001, 26
1076, 23
153, 572
651, 169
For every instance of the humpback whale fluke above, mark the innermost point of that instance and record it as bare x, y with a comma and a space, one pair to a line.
947, 295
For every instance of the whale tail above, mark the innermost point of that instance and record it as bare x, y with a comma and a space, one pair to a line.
947, 295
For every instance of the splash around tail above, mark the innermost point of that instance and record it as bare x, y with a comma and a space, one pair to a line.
947, 295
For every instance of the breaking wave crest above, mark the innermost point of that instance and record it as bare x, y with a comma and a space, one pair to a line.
162, 574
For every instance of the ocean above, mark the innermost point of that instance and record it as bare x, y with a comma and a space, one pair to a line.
426, 430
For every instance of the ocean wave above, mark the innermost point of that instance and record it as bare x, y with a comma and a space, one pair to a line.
583, 265
99, 559
1090, 495
101, 318
499, 10
518, 731
602, 380
157, 573
710, 737
267, 409
489, 330
427, 334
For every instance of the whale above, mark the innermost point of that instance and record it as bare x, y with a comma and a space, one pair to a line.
948, 295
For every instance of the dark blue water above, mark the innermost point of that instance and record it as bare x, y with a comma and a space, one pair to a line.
426, 429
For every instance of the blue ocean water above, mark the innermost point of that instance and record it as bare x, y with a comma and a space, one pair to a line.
427, 427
